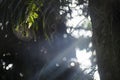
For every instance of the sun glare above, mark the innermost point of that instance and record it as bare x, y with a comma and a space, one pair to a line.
83, 56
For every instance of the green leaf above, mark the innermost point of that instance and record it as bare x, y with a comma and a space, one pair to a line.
29, 24
31, 19
33, 6
35, 15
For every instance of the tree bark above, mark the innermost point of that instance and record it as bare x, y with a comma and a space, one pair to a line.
105, 17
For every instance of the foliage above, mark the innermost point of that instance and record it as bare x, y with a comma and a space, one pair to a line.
34, 15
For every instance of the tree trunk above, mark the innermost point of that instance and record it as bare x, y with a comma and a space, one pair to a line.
105, 17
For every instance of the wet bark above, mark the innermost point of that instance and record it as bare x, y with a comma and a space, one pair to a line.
106, 36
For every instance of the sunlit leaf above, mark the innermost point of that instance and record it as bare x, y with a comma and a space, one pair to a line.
31, 19
29, 24
35, 15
